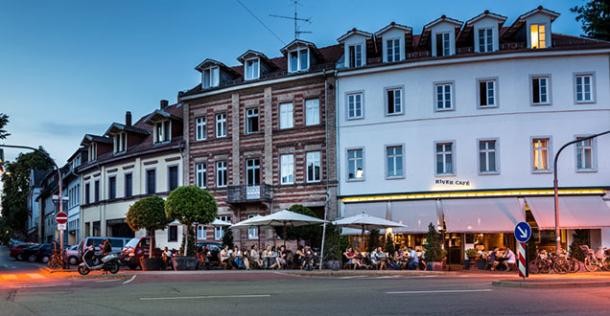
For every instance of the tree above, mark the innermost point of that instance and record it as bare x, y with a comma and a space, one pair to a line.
373, 240
190, 204
148, 213
389, 244
433, 249
227, 238
312, 234
3, 123
595, 18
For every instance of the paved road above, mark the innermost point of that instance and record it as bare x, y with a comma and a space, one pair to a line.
10, 265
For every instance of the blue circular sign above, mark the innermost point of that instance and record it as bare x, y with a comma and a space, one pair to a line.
523, 232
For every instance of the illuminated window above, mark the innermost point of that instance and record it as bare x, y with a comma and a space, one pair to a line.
538, 35
355, 164
540, 154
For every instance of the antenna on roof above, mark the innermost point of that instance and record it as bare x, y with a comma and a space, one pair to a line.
295, 19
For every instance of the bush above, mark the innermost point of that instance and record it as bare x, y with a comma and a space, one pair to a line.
312, 234
433, 247
334, 244
148, 213
389, 244
373, 240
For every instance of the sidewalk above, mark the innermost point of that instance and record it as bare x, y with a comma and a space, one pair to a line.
591, 279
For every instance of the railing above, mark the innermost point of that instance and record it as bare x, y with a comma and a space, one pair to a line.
246, 194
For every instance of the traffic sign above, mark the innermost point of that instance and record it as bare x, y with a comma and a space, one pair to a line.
61, 218
523, 232
61, 226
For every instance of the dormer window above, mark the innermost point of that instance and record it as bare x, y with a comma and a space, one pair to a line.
163, 131
538, 35
210, 77
120, 142
443, 44
252, 69
92, 151
355, 55
392, 50
298, 60
485, 40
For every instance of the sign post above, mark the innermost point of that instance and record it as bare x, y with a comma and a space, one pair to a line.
523, 233
61, 218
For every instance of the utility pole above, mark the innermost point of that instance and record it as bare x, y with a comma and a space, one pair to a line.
295, 18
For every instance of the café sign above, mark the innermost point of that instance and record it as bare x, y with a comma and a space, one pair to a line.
453, 182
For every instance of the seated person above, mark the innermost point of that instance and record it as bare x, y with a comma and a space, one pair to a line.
349, 255
413, 262
379, 258
224, 257
255, 259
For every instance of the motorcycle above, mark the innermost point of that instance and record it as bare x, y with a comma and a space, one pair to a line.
108, 263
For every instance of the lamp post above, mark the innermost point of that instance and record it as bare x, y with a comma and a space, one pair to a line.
556, 184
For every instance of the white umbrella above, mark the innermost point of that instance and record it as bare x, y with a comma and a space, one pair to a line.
219, 222
282, 218
248, 223
366, 222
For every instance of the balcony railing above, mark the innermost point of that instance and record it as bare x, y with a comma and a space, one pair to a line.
247, 194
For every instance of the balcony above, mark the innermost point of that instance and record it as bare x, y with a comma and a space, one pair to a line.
249, 194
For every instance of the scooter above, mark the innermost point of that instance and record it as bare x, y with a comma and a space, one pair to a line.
108, 263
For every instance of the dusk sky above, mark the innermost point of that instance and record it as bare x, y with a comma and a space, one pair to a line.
72, 67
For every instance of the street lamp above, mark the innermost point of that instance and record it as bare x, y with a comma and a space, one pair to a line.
556, 184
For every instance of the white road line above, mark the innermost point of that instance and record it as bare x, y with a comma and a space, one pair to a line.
387, 277
203, 297
131, 279
439, 291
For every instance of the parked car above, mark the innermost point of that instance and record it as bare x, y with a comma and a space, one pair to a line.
17, 250
134, 250
72, 255
117, 244
213, 246
41, 253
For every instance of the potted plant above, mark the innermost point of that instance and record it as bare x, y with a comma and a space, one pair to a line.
434, 253
149, 214
471, 255
189, 204
334, 246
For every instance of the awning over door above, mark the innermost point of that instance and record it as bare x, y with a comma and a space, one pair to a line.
482, 215
377, 209
575, 212
417, 215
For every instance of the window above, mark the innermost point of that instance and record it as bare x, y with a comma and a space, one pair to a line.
218, 230
314, 166
355, 55
162, 131
298, 60
120, 142
538, 35
394, 161
540, 154
201, 232
487, 93
172, 182
286, 120
252, 230
151, 181
485, 37
392, 47
87, 193
444, 158
172, 235
540, 90
355, 109
221, 174
96, 191
488, 156
92, 151
355, 164
287, 169
393, 101
201, 174
211, 77
221, 125
253, 172
584, 155
312, 112
584, 88
252, 69
443, 47
201, 132
112, 188
443, 96
128, 185
251, 120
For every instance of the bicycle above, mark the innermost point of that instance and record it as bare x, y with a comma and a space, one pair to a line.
541, 264
56, 261
595, 260
563, 263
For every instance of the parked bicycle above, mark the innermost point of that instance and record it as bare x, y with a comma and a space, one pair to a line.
596, 260
563, 263
541, 264
56, 261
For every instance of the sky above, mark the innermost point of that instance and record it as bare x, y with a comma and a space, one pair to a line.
70, 67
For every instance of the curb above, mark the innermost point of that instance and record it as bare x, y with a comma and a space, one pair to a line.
551, 284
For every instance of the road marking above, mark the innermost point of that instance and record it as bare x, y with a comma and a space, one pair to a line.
351, 277
129, 281
439, 291
387, 277
203, 297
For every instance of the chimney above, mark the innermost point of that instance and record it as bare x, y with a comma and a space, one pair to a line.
128, 118
164, 103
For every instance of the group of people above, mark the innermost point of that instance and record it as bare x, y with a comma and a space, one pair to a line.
403, 258
498, 259
270, 257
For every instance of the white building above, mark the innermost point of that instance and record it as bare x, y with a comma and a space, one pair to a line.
72, 194
458, 126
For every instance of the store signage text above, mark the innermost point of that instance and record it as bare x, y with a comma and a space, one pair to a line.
465, 183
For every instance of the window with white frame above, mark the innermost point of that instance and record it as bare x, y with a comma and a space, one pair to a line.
355, 55
287, 169
120, 142
286, 116
393, 101
485, 40
540, 154
201, 173
443, 44
201, 131
394, 161
487, 93
312, 112
252, 69
444, 158
540, 90
162, 131
92, 151
219, 230
221, 174
314, 166
355, 109
584, 88
221, 125
251, 120
201, 232
392, 47
488, 158
252, 230
585, 154
443, 96
355, 164
298, 60
211, 77
538, 35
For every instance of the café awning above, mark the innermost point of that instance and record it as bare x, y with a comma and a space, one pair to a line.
485, 215
377, 209
575, 212
417, 215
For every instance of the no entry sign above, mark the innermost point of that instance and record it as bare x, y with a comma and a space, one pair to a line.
61, 218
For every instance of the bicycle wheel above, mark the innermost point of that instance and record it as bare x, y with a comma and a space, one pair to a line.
533, 267
574, 265
591, 264
560, 266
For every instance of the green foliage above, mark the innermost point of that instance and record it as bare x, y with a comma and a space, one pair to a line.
581, 238
595, 18
335, 244
471, 253
227, 238
373, 240
3, 123
312, 234
433, 250
5, 231
389, 244
147, 213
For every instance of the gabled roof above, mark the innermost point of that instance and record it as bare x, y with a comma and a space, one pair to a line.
90, 138
520, 21
213, 62
486, 14
118, 127
79, 151
425, 34
353, 32
297, 42
161, 115
394, 25
250, 53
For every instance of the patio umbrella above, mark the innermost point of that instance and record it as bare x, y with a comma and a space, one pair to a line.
220, 223
364, 222
282, 218
248, 223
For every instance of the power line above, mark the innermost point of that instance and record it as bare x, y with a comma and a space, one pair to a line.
260, 21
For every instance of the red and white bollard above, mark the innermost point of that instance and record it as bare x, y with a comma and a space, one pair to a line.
522, 259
